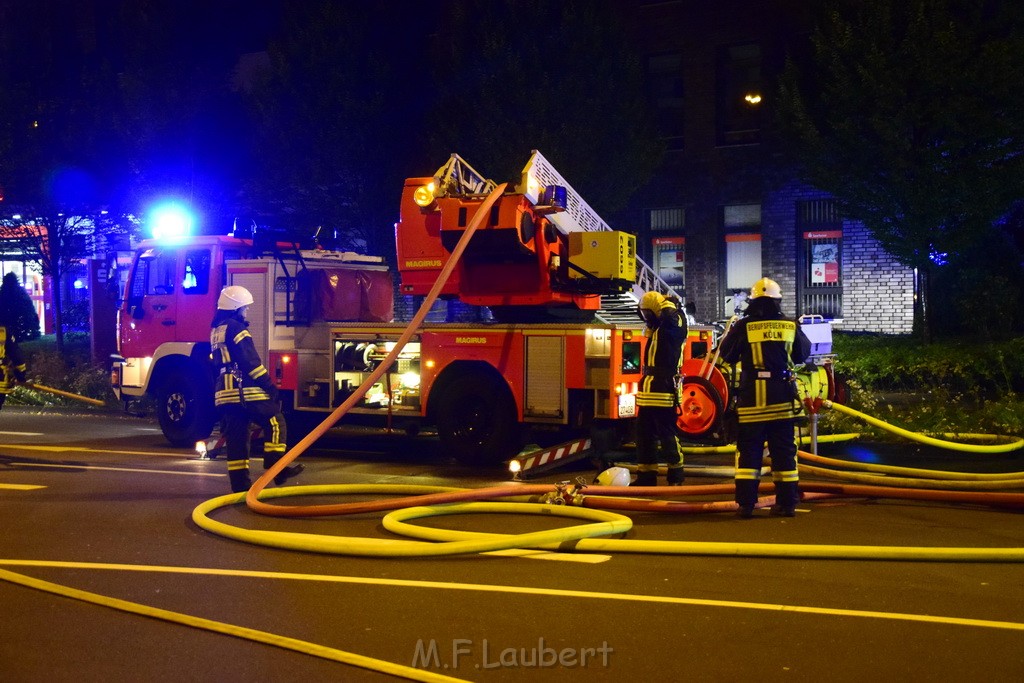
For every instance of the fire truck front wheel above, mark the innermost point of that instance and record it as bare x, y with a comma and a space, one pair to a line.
185, 411
476, 420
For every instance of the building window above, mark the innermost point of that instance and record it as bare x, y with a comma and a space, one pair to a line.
738, 94
665, 90
820, 283
741, 224
666, 220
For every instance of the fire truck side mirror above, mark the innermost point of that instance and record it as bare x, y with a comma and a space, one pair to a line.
137, 312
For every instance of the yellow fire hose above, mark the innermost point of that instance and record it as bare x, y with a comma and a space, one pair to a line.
65, 394
1012, 443
581, 538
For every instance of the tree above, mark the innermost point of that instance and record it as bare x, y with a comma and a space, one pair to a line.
553, 75
909, 114
335, 120
17, 311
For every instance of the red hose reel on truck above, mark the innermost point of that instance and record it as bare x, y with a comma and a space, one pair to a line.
704, 389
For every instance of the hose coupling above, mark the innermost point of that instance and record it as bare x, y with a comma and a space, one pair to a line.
566, 492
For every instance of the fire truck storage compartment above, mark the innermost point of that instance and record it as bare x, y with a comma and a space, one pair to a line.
314, 380
356, 356
256, 281
545, 377
597, 352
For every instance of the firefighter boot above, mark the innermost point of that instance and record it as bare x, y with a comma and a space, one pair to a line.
238, 474
646, 475
676, 475
786, 496
287, 473
746, 497
270, 458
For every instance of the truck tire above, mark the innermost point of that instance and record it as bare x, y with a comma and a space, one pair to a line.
476, 420
185, 409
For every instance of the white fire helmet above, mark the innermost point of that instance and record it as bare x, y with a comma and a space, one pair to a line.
234, 297
614, 476
766, 287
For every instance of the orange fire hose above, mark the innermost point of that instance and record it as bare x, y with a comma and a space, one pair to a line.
252, 496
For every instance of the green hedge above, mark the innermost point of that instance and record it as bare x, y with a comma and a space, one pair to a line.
959, 386
73, 371
904, 364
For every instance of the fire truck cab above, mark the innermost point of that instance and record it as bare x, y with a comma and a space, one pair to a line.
170, 298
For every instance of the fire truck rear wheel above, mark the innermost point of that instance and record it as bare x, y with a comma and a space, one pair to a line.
476, 421
185, 412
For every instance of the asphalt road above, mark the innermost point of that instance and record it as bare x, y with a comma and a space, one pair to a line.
100, 503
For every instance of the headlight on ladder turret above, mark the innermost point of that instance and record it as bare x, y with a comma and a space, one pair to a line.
424, 195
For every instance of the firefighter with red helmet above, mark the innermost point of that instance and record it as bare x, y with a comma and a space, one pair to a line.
244, 392
768, 346
657, 400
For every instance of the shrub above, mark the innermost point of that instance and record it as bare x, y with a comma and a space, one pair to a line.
957, 386
73, 371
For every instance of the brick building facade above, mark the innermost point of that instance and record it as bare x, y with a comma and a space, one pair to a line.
724, 209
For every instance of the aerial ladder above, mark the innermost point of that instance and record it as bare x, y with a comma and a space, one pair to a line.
543, 251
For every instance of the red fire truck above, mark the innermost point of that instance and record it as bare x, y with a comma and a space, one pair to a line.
556, 358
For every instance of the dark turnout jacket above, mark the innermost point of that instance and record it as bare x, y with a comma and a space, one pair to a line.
768, 346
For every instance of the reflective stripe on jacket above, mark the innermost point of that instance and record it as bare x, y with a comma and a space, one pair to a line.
241, 375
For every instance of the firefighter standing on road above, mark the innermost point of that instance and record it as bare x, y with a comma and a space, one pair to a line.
657, 398
244, 392
767, 345
12, 365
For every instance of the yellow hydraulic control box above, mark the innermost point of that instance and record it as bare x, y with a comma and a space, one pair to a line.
605, 254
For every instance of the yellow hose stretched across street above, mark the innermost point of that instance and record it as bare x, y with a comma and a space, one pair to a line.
912, 471
1012, 444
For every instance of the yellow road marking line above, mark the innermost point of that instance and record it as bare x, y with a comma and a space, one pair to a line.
530, 590
233, 630
65, 466
22, 433
83, 449
21, 487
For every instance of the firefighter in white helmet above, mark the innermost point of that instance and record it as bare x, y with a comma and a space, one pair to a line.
657, 400
768, 345
244, 392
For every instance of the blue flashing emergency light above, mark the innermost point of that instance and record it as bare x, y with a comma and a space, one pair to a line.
170, 222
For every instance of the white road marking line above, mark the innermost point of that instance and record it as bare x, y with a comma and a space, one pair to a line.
114, 469
22, 433
82, 449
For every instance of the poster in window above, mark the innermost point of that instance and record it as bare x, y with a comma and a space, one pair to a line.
670, 255
825, 264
